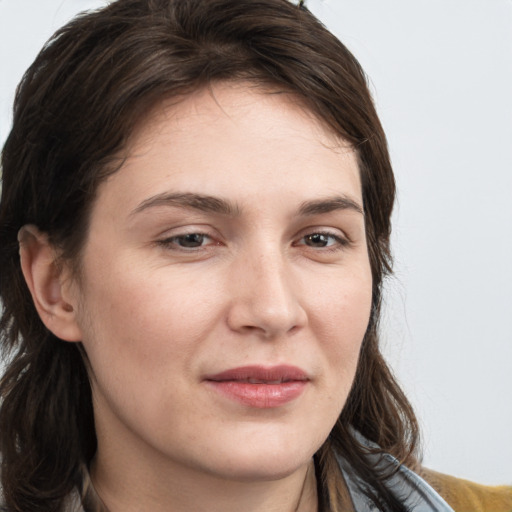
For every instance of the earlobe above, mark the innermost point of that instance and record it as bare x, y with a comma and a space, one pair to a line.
46, 282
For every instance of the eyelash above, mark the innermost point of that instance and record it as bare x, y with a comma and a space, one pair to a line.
172, 243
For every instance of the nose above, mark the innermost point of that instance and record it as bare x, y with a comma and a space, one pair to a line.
265, 297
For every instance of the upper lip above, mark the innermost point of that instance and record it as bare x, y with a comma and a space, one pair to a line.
257, 374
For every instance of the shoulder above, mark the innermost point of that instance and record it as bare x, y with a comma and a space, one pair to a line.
465, 496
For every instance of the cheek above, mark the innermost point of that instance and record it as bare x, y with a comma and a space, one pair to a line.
343, 308
142, 324
341, 319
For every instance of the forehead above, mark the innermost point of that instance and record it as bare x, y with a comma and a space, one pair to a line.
236, 138
236, 101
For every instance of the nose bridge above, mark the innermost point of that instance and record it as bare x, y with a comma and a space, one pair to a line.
266, 298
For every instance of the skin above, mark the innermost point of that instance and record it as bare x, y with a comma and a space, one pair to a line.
170, 293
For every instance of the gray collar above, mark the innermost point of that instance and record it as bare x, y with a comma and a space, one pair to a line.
411, 489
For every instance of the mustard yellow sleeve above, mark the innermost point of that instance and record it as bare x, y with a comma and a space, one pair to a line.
465, 496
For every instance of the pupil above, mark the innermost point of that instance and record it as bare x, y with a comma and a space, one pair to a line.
192, 240
317, 240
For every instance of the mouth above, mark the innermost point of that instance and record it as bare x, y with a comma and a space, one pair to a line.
259, 386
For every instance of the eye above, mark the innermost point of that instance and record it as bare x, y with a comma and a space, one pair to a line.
187, 241
319, 240
322, 240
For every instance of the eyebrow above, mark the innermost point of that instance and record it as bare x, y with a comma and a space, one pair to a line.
330, 204
199, 202
211, 204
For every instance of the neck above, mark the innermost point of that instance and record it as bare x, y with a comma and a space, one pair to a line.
134, 491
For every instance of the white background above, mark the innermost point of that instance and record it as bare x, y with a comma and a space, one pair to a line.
441, 75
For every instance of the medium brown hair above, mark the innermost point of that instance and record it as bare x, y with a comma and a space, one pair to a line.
74, 112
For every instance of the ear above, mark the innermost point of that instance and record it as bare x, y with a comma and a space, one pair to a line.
48, 283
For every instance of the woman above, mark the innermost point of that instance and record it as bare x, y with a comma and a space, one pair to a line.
195, 228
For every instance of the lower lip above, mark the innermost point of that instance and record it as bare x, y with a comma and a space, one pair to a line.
261, 396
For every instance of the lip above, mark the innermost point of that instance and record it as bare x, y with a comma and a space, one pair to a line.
262, 387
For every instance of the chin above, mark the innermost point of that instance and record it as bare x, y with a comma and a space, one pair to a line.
263, 464
263, 452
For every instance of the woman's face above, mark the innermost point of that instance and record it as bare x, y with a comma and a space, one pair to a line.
225, 287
